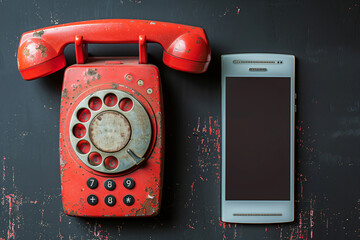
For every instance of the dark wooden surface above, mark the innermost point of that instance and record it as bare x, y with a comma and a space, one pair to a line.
324, 36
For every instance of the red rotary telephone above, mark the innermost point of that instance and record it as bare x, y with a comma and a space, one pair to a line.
111, 115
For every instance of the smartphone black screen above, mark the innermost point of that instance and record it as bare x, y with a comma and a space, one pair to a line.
257, 138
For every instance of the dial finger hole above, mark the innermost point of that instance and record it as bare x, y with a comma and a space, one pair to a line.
95, 159
95, 103
111, 163
126, 104
84, 115
79, 130
83, 146
110, 100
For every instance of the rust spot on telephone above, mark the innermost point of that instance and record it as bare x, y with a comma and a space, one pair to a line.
26, 52
38, 34
43, 50
93, 74
151, 204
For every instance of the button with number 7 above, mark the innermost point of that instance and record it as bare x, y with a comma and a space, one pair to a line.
92, 183
129, 183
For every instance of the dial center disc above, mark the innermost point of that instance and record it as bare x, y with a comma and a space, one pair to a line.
110, 131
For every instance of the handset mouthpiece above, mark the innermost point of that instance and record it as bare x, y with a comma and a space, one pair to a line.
36, 58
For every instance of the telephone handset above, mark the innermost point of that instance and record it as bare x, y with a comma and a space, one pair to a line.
41, 52
111, 114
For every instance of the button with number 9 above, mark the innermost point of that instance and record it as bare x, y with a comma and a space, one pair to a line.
129, 183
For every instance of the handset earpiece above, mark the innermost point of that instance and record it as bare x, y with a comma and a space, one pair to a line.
190, 52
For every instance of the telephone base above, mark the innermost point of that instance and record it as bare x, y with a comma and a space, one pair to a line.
101, 179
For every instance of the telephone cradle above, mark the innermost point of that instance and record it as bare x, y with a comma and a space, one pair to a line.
111, 113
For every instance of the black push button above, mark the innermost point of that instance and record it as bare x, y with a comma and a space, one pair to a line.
92, 183
129, 200
109, 184
92, 200
110, 200
129, 183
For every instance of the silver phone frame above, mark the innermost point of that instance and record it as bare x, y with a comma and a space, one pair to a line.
238, 65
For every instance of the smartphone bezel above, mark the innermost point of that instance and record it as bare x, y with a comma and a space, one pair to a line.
276, 65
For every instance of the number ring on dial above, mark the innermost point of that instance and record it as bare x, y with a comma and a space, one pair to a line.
111, 131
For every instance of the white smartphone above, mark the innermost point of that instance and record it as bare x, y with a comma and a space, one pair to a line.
258, 112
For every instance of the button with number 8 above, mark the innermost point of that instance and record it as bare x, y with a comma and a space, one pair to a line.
109, 184
129, 183
110, 200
